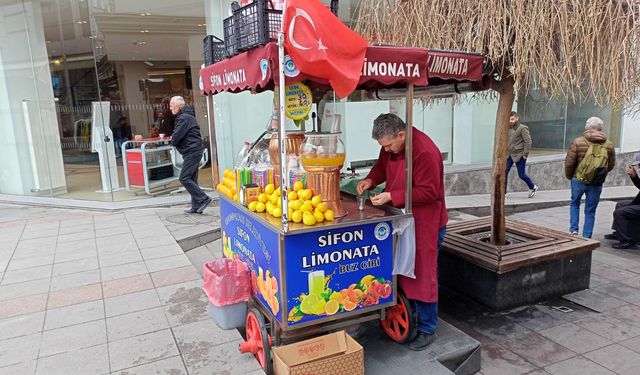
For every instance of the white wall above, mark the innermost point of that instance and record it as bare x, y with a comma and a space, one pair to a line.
630, 135
25, 78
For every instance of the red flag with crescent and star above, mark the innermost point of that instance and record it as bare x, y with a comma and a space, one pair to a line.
322, 46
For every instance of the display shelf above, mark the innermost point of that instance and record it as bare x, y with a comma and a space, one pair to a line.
159, 165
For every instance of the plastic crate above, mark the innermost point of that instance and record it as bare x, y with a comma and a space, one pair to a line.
213, 50
230, 34
256, 24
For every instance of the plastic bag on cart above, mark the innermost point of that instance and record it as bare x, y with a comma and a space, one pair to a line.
226, 281
405, 259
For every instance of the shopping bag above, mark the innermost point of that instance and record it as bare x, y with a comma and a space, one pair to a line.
404, 260
226, 281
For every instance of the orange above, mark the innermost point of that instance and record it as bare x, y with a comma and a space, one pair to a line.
349, 306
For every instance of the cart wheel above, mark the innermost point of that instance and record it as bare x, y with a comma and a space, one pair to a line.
400, 324
258, 341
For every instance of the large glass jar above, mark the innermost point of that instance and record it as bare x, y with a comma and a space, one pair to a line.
322, 152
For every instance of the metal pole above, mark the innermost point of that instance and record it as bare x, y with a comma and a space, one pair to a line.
282, 134
213, 147
408, 150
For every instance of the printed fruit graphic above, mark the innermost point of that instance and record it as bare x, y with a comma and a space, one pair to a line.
295, 314
311, 304
268, 288
331, 307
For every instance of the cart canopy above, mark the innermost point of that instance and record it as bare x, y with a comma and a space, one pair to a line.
384, 67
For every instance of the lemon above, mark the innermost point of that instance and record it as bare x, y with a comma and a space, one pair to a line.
319, 217
296, 216
252, 206
264, 198
295, 204
322, 207
260, 207
274, 198
269, 189
292, 196
305, 194
276, 212
235, 197
278, 191
289, 213
307, 206
337, 296
269, 206
328, 215
308, 219
316, 200
298, 186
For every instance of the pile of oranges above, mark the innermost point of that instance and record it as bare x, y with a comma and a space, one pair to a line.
228, 185
304, 207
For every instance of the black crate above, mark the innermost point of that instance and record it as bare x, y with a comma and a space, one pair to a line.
257, 24
213, 50
230, 36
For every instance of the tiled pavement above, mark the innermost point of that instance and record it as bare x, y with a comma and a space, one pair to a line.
94, 293
601, 335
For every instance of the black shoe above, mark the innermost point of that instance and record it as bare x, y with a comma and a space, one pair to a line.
422, 341
204, 205
624, 245
611, 236
192, 211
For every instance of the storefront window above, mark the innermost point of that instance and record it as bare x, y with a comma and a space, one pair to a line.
555, 123
128, 55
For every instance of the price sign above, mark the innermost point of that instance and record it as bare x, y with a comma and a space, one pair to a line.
298, 101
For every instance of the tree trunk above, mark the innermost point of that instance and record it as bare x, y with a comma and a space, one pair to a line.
500, 154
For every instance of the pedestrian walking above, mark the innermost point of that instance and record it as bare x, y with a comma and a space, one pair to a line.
590, 157
626, 216
187, 140
429, 211
519, 147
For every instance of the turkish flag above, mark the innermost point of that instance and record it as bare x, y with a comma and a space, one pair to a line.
322, 46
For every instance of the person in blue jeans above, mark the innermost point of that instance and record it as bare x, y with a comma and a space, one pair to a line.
577, 150
519, 147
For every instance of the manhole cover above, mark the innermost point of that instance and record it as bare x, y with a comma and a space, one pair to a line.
191, 219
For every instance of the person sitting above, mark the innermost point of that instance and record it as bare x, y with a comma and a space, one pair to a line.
627, 214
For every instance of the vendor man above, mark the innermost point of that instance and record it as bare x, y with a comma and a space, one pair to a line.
428, 208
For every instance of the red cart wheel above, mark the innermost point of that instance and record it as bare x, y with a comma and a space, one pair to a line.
400, 324
258, 341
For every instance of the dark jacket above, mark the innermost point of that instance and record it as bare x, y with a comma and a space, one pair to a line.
636, 181
579, 148
166, 123
186, 136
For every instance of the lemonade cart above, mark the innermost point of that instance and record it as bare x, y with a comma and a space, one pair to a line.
321, 274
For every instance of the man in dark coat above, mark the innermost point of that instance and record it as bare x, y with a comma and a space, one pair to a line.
627, 214
429, 211
187, 140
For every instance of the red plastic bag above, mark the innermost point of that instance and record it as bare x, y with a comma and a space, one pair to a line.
226, 281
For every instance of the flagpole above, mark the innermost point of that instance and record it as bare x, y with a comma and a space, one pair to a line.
284, 183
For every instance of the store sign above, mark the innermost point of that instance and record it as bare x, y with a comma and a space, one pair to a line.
298, 101
246, 237
335, 271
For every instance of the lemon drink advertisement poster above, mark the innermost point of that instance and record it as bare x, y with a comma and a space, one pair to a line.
255, 244
336, 271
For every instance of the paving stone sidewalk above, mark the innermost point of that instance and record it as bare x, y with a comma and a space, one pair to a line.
85, 292
600, 335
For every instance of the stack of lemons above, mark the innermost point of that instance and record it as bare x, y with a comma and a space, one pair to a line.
228, 185
304, 207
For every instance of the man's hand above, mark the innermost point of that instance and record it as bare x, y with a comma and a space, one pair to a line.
381, 199
631, 171
364, 185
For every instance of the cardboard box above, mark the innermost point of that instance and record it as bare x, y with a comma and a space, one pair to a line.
333, 354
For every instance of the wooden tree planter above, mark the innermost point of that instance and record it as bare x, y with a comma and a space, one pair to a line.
536, 264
